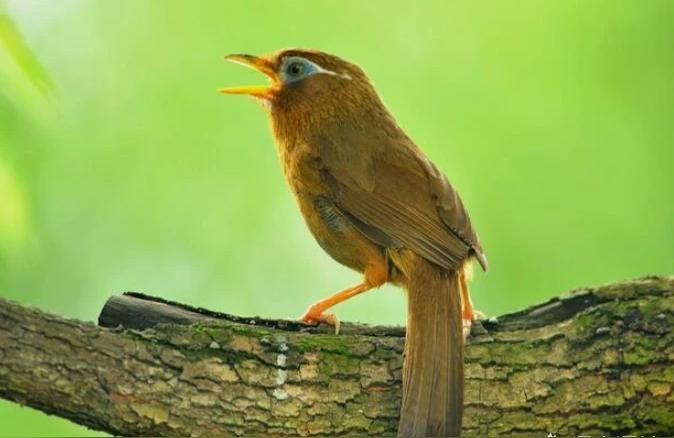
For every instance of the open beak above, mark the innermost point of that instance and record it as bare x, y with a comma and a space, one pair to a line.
259, 64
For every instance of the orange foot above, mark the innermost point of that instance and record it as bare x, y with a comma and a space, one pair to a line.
315, 313
314, 316
469, 315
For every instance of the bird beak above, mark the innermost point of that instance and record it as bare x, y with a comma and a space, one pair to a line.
259, 64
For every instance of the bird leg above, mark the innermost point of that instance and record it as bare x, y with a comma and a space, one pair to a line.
315, 313
375, 276
469, 314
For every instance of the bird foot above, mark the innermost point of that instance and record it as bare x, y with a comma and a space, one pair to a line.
478, 315
468, 318
314, 316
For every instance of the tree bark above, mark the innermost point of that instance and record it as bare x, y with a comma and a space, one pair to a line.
596, 362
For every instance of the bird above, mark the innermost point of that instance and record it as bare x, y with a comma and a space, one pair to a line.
377, 204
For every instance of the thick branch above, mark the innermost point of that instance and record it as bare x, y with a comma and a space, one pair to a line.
598, 362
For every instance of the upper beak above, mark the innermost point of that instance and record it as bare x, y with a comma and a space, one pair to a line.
259, 64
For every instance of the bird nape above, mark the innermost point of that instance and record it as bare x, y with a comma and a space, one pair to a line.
376, 203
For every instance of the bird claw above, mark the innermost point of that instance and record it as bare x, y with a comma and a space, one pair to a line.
315, 316
468, 319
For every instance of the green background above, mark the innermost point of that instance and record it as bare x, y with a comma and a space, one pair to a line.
122, 169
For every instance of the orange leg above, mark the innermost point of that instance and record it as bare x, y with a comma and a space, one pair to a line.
469, 314
375, 276
466, 302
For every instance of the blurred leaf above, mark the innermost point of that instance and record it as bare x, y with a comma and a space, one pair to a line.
24, 82
21, 54
13, 210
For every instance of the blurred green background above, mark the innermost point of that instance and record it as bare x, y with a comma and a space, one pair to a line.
122, 169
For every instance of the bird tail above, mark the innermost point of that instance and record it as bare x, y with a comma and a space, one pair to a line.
432, 402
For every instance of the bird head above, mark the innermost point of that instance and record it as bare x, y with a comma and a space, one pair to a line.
299, 74
309, 89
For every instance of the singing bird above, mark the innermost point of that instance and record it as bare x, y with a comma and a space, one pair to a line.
376, 203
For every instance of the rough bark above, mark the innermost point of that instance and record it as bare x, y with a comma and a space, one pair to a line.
597, 362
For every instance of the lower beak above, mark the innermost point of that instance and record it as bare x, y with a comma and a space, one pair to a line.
259, 64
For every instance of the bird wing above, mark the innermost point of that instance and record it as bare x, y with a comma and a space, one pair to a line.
389, 186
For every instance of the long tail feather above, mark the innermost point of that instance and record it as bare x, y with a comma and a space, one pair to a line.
432, 403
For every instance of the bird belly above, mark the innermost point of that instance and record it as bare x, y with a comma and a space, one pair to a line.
333, 231
336, 234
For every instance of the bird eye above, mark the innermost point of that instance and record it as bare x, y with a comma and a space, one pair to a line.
295, 69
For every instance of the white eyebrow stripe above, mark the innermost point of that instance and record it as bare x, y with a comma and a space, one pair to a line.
320, 69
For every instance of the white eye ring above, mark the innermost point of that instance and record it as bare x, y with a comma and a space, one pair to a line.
309, 68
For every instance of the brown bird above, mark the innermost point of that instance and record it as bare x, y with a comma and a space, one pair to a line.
376, 203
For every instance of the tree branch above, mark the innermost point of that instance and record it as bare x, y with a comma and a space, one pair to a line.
597, 362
